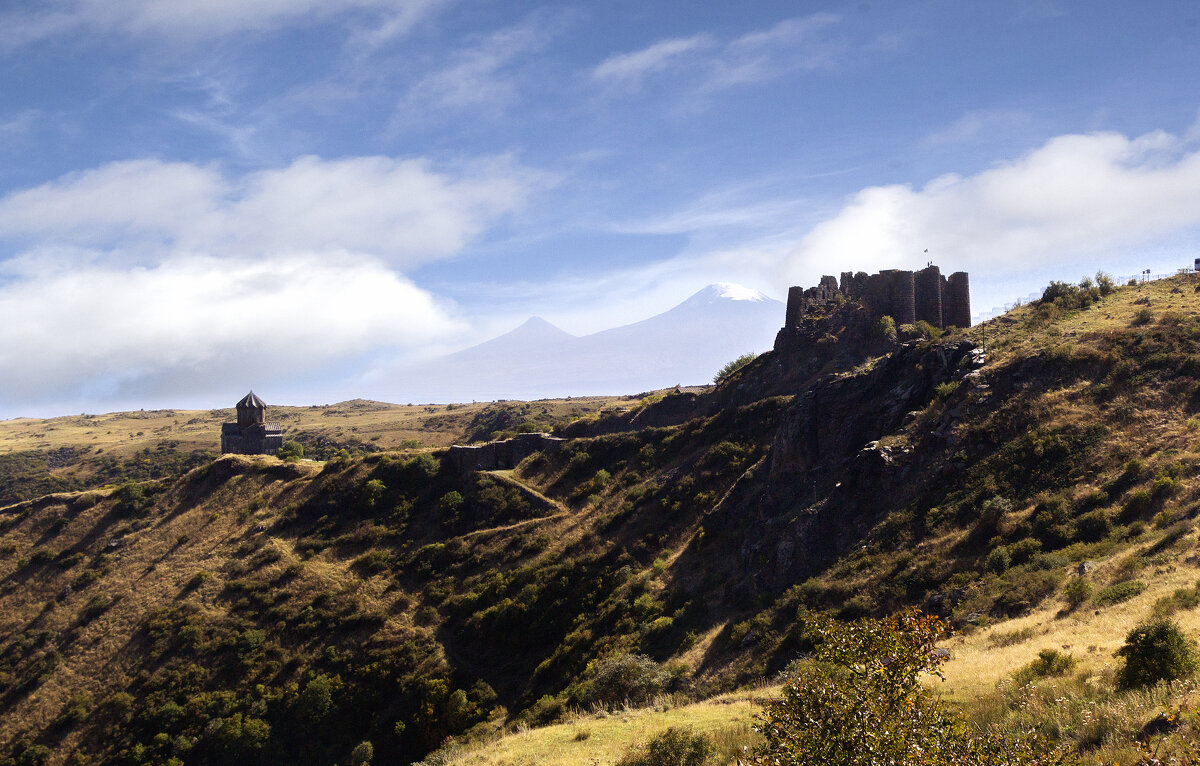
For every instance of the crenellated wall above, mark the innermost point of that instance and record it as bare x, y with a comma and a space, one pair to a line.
906, 296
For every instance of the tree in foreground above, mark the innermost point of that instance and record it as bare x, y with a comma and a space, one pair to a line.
860, 700
1155, 651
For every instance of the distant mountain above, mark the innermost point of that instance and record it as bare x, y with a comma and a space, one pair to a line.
685, 345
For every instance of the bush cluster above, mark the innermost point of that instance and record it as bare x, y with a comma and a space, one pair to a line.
861, 701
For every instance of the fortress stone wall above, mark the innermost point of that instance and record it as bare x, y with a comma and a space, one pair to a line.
500, 455
906, 296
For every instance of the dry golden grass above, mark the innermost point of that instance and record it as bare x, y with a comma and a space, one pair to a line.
1090, 634
602, 738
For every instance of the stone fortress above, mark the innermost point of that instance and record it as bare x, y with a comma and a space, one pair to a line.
906, 296
251, 434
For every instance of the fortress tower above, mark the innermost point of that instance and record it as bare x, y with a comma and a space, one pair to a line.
251, 434
905, 296
958, 297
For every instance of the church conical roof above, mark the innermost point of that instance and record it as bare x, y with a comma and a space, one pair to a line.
251, 401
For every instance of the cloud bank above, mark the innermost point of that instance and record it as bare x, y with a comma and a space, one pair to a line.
148, 278
402, 210
1073, 200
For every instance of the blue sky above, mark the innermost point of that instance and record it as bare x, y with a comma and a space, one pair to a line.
197, 196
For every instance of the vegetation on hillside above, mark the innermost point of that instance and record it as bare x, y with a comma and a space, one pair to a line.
379, 603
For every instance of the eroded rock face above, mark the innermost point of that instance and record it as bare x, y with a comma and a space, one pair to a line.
831, 473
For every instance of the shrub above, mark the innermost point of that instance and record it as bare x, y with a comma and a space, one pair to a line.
96, 606
1078, 591
236, 738
627, 677
992, 511
545, 711
316, 699
729, 368
1049, 662
1023, 550
1182, 598
450, 502
362, 754
131, 498
600, 480
1142, 317
373, 492
1122, 591
885, 327
943, 390
673, 747
1093, 526
862, 702
1155, 651
1056, 290
998, 560
290, 451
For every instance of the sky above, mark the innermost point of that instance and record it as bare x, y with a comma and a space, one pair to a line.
198, 197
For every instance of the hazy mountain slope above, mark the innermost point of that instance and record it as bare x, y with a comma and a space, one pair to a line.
685, 345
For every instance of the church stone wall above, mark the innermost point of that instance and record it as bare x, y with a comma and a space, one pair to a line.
251, 434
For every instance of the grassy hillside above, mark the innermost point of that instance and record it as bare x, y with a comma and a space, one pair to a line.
255, 609
84, 451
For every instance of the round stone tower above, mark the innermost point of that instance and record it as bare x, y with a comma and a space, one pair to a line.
958, 300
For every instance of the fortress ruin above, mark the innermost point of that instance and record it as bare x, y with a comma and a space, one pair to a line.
251, 434
906, 296
500, 454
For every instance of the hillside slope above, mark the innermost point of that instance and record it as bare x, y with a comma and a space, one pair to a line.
270, 611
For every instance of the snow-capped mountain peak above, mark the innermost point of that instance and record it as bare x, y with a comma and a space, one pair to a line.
735, 292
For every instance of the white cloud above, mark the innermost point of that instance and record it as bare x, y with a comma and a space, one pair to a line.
402, 210
631, 67
792, 44
980, 123
1074, 199
20, 124
197, 19
480, 76
198, 323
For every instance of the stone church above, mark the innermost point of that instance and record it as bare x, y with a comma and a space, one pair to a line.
251, 434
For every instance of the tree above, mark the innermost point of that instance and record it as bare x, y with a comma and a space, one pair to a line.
859, 700
1155, 651
290, 451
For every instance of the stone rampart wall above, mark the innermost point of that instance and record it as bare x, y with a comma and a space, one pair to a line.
500, 455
